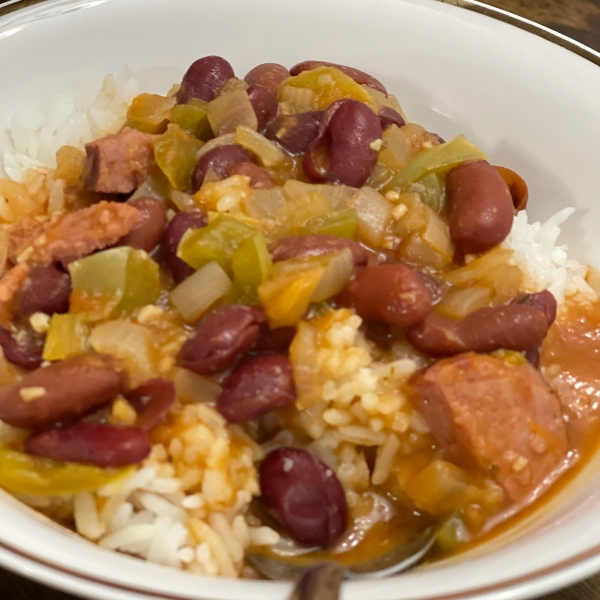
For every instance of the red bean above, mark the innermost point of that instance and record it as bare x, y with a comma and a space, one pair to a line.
301, 246
481, 207
534, 355
359, 76
257, 387
269, 75
306, 496
543, 301
435, 289
104, 446
63, 390
205, 77
517, 186
22, 348
178, 225
221, 338
388, 117
295, 133
152, 400
264, 103
394, 294
344, 151
511, 327
46, 290
260, 178
274, 340
148, 231
218, 159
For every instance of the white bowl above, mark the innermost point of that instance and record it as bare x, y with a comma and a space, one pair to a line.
530, 104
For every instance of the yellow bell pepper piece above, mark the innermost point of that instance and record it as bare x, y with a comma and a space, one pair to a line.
329, 84
68, 336
24, 474
149, 113
176, 153
287, 297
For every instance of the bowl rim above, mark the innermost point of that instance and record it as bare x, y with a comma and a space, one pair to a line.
547, 579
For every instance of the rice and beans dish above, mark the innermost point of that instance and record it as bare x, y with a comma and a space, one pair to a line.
273, 314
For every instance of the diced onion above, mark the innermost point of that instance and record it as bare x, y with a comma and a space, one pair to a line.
263, 204
337, 274
374, 215
200, 291
339, 195
271, 156
299, 99
480, 267
195, 388
226, 112
458, 303
182, 200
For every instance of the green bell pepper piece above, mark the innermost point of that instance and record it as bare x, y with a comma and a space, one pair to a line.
193, 120
439, 159
341, 223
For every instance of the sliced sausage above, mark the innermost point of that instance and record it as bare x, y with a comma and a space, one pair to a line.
393, 294
512, 327
119, 163
64, 238
481, 207
500, 417
301, 246
96, 444
62, 390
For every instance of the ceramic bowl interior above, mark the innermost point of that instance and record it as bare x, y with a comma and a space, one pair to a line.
530, 104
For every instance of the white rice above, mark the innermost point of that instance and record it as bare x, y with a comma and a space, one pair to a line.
544, 262
36, 138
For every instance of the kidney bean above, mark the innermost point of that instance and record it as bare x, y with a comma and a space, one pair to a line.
435, 289
301, 246
23, 348
269, 75
343, 152
274, 340
306, 496
295, 133
65, 389
96, 444
394, 294
511, 327
260, 178
543, 301
205, 77
439, 138
359, 76
534, 355
257, 387
388, 117
152, 400
265, 104
481, 207
178, 225
148, 231
218, 159
221, 338
517, 186
46, 290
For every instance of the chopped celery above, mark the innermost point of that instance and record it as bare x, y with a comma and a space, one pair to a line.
215, 242
193, 120
287, 297
341, 223
149, 113
67, 336
113, 281
176, 153
437, 160
24, 474
251, 264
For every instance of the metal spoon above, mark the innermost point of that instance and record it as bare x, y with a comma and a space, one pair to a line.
397, 560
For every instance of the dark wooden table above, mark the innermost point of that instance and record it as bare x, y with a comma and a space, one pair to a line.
579, 19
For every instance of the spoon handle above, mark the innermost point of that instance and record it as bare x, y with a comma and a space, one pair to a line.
321, 582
